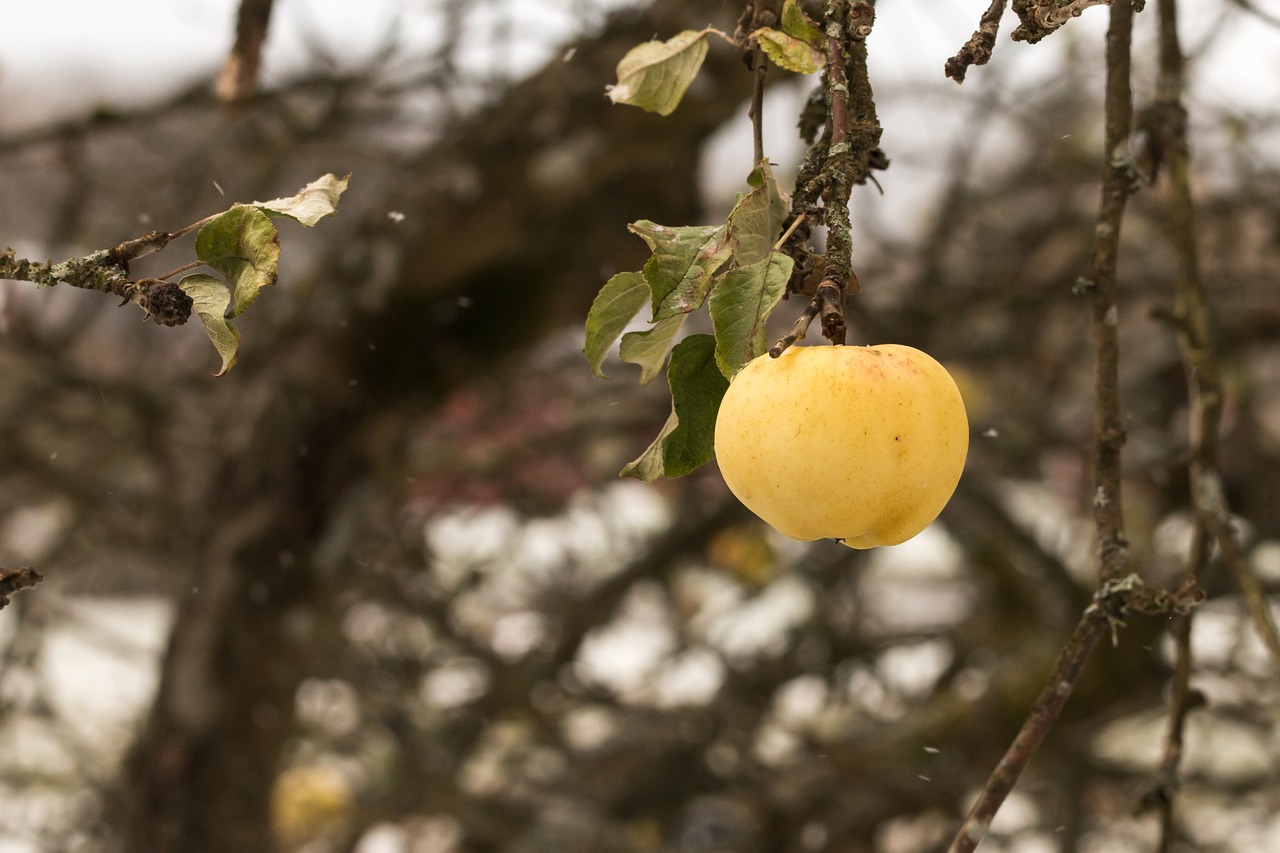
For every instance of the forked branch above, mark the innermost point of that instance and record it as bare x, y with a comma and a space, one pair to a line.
1116, 591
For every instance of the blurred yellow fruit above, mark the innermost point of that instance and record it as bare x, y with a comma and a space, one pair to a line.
744, 551
308, 801
861, 444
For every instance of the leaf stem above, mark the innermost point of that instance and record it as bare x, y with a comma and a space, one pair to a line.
180, 270
791, 229
182, 232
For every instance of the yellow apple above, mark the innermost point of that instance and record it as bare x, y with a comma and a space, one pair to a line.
862, 444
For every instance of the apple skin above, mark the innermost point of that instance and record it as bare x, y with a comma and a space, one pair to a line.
862, 444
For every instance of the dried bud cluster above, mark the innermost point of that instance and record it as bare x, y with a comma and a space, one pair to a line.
165, 302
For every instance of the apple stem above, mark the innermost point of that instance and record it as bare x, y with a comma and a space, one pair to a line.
799, 330
827, 303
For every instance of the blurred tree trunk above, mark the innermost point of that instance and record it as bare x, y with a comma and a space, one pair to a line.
262, 612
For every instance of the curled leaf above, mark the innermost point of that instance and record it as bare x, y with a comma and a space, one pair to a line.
614, 307
649, 348
756, 220
797, 24
655, 75
789, 52
741, 303
209, 301
312, 203
244, 246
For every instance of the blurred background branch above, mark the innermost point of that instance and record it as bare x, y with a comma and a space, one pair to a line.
379, 589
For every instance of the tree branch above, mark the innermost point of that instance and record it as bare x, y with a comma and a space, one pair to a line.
839, 165
1115, 595
14, 580
977, 50
106, 271
844, 156
238, 78
1113, 601
1106, 611
1167, 124
1039, 18
1118, 181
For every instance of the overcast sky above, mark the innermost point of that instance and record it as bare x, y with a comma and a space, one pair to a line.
77, 55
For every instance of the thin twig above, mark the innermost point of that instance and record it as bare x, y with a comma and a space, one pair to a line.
1168, 128
799, 330
1182, 700
1261, 14
839, 162
854, 135
1102, 615
760, 69
1039, 18
107, 271
1117, 183
977, 50
1255, 597
138, 247
1114, 593
98, 271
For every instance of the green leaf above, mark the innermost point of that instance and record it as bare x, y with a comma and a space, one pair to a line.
649, 348
789, 52
244, 246
796, 23
684, 260
313, 202
209, 300
650, 465
655, 75
687, 440
614, 307
740, 305
755, 223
